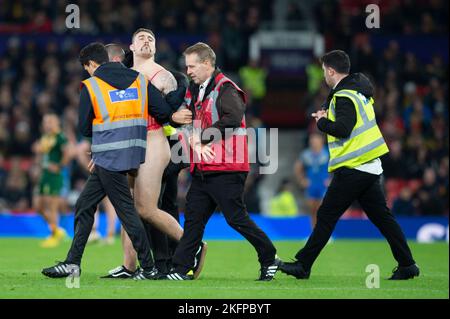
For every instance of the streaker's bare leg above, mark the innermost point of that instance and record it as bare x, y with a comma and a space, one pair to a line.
129, 254
146, 188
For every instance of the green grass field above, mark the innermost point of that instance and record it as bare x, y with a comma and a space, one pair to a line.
229, 272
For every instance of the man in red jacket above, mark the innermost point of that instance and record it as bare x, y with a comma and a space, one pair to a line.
219, 163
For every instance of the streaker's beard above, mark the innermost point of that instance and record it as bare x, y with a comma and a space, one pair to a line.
145, 52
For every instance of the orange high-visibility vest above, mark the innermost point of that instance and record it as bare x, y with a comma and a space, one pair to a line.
119, 129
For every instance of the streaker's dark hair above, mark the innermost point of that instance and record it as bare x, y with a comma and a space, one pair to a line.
338, 60
96, 52
142, 30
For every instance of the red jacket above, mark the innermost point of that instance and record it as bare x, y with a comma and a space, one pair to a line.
231, 149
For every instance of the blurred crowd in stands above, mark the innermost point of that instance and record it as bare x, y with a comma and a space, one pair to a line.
411, 96
227, 24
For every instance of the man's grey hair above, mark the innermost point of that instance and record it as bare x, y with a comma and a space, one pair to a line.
204, 52
115, 50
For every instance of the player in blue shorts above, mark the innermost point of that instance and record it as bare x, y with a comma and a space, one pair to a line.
311, 172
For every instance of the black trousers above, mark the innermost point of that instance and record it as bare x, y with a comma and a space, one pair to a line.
347, 186
205, 194
169, 196
103, 183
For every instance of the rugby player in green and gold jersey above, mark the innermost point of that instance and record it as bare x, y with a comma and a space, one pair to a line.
53, 154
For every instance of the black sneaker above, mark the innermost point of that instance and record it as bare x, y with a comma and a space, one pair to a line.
62, 270
295, 269
120, 272
173, 275
268, 272
142, 274
403, 273
199, 260
163, 267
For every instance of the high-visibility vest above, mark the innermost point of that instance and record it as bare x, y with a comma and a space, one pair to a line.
283, 204
365, 142
119, 129
231, 152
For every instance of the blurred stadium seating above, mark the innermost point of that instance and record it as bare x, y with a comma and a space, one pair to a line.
407, 58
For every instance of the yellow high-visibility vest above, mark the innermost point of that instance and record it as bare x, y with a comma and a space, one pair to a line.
283, 204
365, 142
